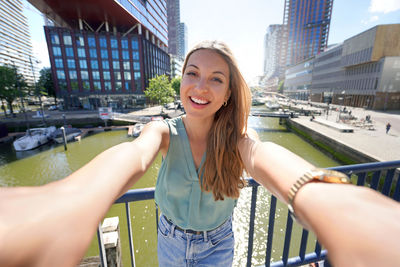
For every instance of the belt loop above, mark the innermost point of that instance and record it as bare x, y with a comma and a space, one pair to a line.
205, 236
172, 230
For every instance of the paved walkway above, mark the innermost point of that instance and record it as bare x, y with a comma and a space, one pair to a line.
375, 143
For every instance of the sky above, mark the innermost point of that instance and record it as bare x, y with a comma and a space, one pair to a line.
243, 24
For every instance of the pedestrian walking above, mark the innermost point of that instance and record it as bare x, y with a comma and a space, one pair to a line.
388, 127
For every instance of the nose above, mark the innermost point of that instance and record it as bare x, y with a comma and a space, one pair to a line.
202, 84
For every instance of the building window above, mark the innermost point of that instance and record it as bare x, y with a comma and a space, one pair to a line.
135, 44
104, 53
127, 65
71, 63
117, 75
59, 63
85, 85
105, 64
84, 75
81, 52
97, 86
124, 44
107, 86
127, 85
106, 75
127, 75
67, 39
93, 52
56, 51
73, 75
82, 64
135, 55
54, 39
136, 65
96, 75
125, 54
114, 54
116, 65
103, 42
94, 64
60, 74
114, 43
91, 41
79, 40
118, 86
69, 52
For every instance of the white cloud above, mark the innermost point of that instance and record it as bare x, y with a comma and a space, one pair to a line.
370, 20
384, 6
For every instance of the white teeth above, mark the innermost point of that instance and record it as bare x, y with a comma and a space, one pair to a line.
199, 101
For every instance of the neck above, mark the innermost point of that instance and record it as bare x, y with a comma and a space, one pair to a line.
196, 128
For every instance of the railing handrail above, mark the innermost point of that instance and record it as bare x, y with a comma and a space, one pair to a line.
360, 169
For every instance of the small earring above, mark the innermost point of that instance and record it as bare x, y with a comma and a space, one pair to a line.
225, 103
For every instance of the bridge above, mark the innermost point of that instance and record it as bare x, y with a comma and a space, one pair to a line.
380, 176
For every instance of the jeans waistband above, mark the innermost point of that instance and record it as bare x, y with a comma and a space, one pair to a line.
190, 231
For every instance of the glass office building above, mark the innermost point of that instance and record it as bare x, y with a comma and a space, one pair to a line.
109, 51
306, 28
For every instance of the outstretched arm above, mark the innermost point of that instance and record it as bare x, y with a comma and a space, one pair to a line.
53, 225
357, 225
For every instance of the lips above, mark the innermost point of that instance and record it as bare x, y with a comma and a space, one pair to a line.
199, 101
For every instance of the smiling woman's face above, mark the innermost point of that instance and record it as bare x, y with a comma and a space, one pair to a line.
205, 83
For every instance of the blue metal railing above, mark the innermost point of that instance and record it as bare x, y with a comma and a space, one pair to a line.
378, 175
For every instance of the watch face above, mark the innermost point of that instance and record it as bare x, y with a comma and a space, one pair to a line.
330, 176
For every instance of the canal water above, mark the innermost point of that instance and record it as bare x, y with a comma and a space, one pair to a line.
51, 163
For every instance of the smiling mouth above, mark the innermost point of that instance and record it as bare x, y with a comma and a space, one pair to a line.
199, 101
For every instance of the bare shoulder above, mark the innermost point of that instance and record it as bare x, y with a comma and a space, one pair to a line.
252, 134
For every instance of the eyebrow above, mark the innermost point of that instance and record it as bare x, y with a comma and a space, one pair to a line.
216, 72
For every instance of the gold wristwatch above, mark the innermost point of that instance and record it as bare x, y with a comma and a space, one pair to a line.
312, 176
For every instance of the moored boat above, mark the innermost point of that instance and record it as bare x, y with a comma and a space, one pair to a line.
137, 129
70, 134
33, 138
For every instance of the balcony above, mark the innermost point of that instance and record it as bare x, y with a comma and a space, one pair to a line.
380, 176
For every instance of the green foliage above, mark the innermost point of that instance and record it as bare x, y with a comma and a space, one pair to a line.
280, 87
45, 85
160, 90
176, 84
12, 85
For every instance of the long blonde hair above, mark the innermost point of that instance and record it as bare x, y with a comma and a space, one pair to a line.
223, 167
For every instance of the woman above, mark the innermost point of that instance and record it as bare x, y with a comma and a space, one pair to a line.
205, 153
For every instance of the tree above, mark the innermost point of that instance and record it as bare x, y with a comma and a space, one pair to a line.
160, 90
12, 85
46, 84
280, 87
176, 84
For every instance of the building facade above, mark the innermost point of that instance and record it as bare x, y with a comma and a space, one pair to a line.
108, 52
272, 51
15, 40
306, 29
298, 79
363, 71
177, 31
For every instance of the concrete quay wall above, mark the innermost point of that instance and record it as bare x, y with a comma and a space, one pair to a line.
340, 151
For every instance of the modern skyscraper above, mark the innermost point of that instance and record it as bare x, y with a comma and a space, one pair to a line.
105, 49
15, 40
177, 31
306, 29
272, 51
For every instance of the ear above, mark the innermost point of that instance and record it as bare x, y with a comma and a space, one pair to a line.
228, 94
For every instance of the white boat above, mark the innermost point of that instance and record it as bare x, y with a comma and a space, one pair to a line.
272, 104
70, 134
137, 129
33, 138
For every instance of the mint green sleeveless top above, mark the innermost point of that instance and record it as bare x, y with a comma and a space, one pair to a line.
178, 192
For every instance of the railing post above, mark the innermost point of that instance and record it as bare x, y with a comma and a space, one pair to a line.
251, 228
112, 243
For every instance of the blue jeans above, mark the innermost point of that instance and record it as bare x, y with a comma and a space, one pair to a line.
212, 248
